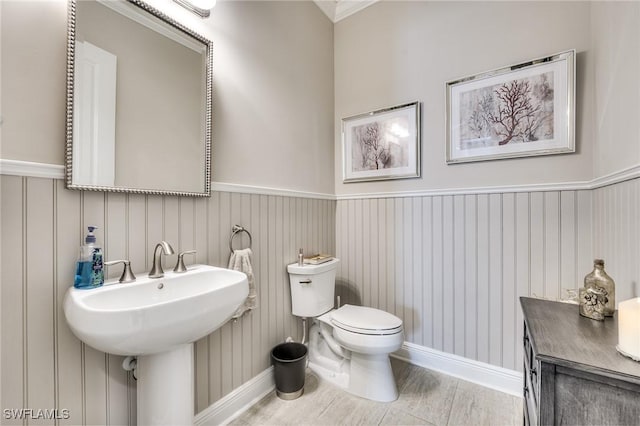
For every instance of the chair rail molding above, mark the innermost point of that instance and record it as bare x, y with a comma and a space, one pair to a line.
262, 190
31, 169
55, 171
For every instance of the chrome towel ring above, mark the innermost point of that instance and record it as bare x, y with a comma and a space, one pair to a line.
236, 230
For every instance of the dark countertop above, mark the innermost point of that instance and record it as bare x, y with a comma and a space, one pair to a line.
562, 337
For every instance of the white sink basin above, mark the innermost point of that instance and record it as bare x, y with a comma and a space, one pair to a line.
150, 316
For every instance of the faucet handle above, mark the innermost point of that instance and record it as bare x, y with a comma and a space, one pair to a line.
127, 276
180, 263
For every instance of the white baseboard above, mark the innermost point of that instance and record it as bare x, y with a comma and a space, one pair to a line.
238, 401
231, 406
487, 375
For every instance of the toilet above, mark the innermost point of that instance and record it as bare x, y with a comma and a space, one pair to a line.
349, 346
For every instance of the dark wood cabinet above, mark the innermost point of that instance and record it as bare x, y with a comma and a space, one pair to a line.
573, 374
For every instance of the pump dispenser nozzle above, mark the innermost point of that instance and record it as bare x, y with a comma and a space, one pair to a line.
90, 238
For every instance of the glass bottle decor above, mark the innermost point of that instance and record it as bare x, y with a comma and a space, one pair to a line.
598, 279
592, 303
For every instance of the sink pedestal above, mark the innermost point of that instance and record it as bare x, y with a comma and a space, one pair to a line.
166, 387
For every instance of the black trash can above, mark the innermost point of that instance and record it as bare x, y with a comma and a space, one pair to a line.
289, 362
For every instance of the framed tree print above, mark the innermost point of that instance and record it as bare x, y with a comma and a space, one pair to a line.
382, 144
522, 110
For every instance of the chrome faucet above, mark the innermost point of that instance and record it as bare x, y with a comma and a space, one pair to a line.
162, 247
127, 276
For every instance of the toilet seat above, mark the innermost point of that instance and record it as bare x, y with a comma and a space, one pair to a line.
364, 320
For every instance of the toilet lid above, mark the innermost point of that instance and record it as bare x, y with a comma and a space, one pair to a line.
360, 319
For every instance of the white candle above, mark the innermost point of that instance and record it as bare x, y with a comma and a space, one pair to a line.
629, 328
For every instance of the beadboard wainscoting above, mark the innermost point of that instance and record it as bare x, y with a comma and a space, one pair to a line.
452, 267
616, 211
44, 366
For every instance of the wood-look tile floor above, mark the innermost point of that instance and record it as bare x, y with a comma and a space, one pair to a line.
426, 398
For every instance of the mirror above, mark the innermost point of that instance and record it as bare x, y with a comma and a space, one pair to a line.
138, 101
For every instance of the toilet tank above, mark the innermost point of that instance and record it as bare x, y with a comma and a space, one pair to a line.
312, 288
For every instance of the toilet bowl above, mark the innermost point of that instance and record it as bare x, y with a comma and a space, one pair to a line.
365, 344
349, 346
366, 330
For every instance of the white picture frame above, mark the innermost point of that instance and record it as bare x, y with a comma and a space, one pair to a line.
382, 144
521, 110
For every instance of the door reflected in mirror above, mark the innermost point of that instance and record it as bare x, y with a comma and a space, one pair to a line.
139, 101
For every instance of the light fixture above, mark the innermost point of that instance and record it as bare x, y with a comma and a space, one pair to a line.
201, 8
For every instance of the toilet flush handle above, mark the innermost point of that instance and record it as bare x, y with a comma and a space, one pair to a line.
307, 281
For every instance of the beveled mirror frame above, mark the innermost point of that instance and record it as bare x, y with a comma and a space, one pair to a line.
71, 45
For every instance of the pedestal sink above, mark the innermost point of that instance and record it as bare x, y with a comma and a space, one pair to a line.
158, 320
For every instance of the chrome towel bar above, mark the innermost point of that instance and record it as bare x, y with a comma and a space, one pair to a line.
236, 230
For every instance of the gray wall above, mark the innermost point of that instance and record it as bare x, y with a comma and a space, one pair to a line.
273, 118
273, 89
616, 208
453, 266
44, 366
616, 47
616, 234
33, 80
273, 103
397, 52
471, 241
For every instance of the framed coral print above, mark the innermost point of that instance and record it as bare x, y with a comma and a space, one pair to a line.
517, 111
382, 144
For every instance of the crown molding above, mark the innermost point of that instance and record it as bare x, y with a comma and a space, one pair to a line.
328, 7
346, 8
337, 10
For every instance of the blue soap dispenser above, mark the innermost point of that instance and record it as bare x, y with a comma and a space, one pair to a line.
89, 273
